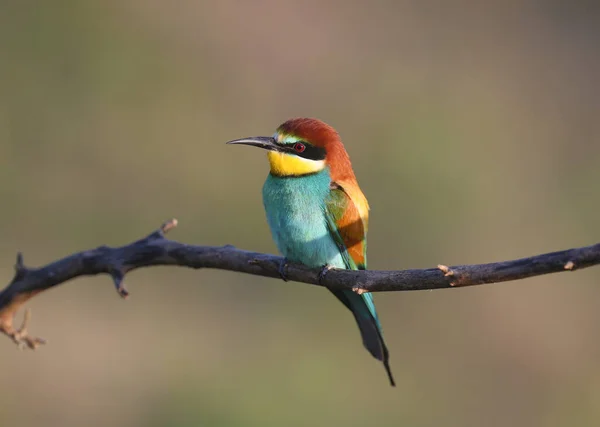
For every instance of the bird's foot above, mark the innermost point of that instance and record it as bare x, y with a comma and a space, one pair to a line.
323, 272
282, 268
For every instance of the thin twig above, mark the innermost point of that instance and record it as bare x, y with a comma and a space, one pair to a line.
155, 250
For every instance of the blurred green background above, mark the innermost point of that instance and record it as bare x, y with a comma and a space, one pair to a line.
474, 131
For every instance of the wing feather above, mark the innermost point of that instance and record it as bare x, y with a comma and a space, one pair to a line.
348, 216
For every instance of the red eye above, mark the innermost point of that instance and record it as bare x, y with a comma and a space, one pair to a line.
299, 147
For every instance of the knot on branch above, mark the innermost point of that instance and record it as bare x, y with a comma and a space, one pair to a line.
117, 268
164, 229
20, 269
118, 276
448, 273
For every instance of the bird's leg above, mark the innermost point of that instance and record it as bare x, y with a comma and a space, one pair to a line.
281, 270
323, 272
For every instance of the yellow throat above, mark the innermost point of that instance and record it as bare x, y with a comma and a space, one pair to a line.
283, 164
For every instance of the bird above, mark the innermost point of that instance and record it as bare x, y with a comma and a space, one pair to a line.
317, 213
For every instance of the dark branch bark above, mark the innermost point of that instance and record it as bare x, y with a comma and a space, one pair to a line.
155, 249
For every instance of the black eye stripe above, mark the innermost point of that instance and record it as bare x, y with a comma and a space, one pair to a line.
310, 152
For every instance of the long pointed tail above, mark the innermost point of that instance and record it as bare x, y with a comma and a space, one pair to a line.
366, 317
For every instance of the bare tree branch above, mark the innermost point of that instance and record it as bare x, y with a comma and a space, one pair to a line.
155, 250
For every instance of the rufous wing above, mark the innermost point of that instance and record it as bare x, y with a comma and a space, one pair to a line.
348, 216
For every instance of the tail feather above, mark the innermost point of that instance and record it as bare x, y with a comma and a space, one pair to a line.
366, 317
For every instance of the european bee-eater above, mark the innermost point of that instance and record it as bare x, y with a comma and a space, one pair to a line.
317, 213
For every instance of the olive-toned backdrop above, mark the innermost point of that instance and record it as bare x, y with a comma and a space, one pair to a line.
473, 128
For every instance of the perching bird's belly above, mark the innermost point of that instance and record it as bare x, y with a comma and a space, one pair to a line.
295, 208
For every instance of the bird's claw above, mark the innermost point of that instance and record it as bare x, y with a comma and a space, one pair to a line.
323, 272
281, 270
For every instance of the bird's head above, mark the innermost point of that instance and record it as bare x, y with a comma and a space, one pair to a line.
304, 146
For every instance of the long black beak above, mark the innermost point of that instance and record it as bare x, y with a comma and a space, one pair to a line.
266, 142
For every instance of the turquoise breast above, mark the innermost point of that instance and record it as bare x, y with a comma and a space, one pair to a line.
295, 208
